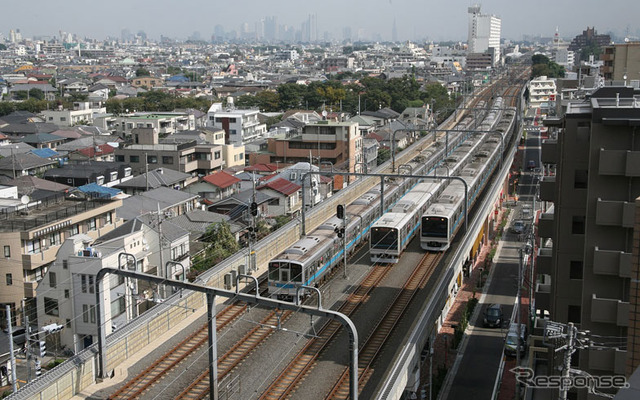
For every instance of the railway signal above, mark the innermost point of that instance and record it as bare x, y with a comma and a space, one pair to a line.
340, 211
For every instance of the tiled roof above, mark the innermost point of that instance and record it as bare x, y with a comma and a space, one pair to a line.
102, 150
221, 179
282, 186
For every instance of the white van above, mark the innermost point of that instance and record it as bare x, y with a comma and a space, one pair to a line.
511, 341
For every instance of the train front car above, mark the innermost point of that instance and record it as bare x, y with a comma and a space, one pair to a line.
384, 241
434, 233
284, 278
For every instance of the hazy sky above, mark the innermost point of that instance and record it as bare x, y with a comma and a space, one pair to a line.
435, 20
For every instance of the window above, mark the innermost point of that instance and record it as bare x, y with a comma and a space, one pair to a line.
573, 314
232, 120
91, 224
152, 159
75, 229
85, 313
91, 286
580, 178
66, 293
575, 270
118, 306
577, 225
232, 132
108, 218
68, 323
167, 159
33, 246
62, 119
217, 155
119, 158
52, 279
7, 251
9, 279
83, 283
51, 307
134, 159
65, 264
54, 239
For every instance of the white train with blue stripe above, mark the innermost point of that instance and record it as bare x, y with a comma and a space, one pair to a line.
445, 215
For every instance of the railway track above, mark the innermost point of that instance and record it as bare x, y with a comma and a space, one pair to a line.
378, 337
135, 387
295, 371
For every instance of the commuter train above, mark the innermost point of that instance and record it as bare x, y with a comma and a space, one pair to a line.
444, 216
391, 234
308, 261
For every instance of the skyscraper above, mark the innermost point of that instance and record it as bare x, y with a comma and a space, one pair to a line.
484, 33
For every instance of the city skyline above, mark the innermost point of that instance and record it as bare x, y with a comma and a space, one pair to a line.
437, 22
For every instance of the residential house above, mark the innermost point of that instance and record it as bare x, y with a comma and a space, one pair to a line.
237, 205
169, 201
146, 82
99, 152
25, 164
43, 140
216, 186
104, 173
286, 197
159, 177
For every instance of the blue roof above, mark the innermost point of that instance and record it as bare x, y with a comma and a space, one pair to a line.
96, 190
178, 78
45, 153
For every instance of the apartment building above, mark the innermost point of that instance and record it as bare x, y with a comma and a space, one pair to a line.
584, 271
621, 62
336, 144
82, 113
31, 236
66, 295
542, 90
165, 123
484, 34
240, 126
150, 152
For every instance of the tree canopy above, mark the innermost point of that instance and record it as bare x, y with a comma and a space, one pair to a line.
543, 66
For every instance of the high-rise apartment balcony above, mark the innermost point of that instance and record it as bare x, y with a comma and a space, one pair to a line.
608, 359
549, 151
544, 261
608, 262
619, 163
615, 213
545, 225
609, 311
548, 188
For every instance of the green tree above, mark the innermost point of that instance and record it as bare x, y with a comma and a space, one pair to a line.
220, 244
36, 93
384, 154
142, 72
291, 95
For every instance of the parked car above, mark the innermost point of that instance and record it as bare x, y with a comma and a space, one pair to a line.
531, 164
518, 227
515, 342
493, 316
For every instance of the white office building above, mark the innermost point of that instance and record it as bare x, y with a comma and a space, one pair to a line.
484, 33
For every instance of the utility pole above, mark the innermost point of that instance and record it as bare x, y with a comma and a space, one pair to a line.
344, 242
567, 360
161, 247
13, 356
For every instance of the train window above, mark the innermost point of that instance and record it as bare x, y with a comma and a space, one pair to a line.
274, 271
384, 238
434, 227
296, 272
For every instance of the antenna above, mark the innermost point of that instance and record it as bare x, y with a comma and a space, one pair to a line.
25, 199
